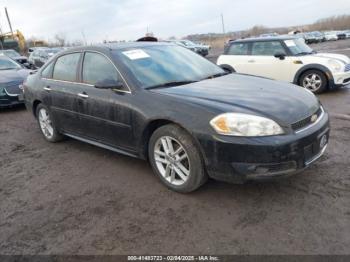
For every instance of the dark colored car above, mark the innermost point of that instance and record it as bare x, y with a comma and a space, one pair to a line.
341, 35
41, 55
12, 76
189, 118
18, 57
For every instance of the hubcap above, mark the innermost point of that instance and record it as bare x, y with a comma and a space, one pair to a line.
45, 123
312, 82
172, 160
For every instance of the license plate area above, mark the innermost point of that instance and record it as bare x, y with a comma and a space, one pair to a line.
313, 151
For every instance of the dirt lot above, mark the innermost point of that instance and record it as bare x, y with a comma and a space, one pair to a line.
73, 198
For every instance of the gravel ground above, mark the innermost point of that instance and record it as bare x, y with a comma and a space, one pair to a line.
73, 198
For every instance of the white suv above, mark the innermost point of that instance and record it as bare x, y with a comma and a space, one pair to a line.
287, 59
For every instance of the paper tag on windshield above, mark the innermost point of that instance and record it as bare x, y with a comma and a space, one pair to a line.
289, 43
136, 54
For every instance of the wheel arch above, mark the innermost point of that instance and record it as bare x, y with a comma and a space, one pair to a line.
153, 125
308, 67
35, 106
228, 67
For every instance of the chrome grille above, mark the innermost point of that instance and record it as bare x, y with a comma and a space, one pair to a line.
306, 121
12, 88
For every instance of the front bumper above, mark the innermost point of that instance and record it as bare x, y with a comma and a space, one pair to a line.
240, 159
9, 101
341, 78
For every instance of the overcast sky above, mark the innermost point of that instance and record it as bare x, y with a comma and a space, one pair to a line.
129, 19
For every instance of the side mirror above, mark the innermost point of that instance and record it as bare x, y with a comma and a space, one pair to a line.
280, 55
109, 84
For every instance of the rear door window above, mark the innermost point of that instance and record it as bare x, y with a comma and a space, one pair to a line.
238, 49
268, 48
66, 67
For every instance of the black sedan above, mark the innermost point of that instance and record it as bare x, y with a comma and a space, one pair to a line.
190, 119
12, 76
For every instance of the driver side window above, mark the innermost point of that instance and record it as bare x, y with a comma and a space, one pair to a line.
98, 69
267, 48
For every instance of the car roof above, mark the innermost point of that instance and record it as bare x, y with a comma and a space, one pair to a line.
263, 39
116, 46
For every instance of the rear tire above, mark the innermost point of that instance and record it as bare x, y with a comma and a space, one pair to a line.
176, 159
314, 80
47, 125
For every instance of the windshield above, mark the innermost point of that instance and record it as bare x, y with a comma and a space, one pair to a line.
163, 64
298, 47
7, 63
10, 53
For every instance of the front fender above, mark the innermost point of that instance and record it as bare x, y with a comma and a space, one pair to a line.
320, 67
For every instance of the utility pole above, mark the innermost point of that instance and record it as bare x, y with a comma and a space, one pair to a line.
223, 24
84, 38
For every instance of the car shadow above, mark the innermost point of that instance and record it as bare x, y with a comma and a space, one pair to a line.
14, 108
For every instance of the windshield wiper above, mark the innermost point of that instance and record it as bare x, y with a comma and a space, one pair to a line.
216, 75
170, 84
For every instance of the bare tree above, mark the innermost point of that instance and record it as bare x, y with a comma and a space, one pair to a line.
60, 39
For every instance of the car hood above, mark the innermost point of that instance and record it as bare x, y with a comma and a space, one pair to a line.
342, 58
283, 102
16, 75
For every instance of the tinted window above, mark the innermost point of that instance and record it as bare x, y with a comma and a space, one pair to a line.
267, 48
47, 72
238, 49
98, 69
66, 67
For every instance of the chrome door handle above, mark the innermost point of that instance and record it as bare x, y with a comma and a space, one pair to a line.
83, 95
47, 88
251, 61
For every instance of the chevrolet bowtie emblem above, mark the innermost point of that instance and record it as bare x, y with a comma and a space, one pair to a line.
314, 118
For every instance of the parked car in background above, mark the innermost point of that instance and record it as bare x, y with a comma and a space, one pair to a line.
347, 33
199, 49
190, 119
341, 35
269, 35
39, 56
18, 57
319, 37
330, 36
12, 75
288, 59
310, 38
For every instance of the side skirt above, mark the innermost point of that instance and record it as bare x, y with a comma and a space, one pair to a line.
91, 142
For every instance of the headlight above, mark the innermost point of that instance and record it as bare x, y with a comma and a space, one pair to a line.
335, 65
237, 124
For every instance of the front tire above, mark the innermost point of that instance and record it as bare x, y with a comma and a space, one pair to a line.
47, 125
314, 80
176, 159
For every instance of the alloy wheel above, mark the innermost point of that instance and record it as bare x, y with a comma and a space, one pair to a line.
45, 123
172, 160
312, 82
